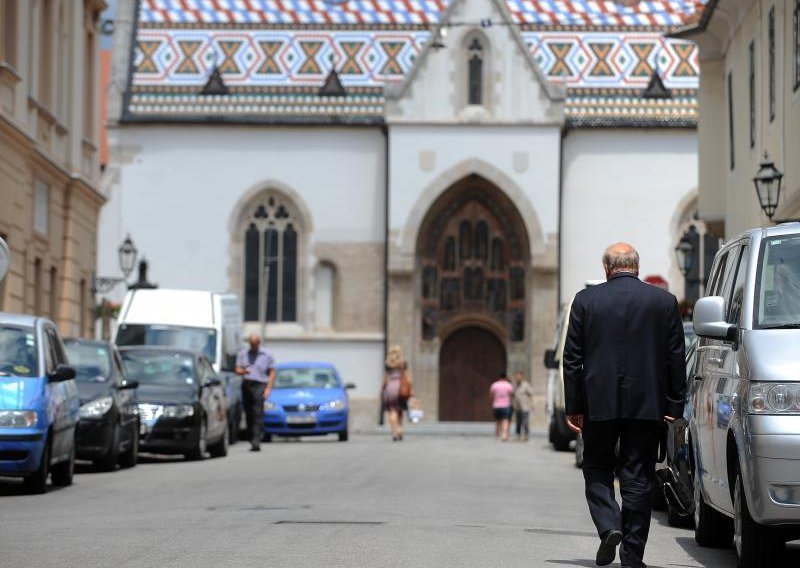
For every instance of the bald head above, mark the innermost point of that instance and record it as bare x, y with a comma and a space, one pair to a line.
620, 257
254, 340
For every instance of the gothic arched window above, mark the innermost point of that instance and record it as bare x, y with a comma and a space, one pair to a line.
475, 72
271, 244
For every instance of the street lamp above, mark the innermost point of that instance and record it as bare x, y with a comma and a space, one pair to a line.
684, 251
768, 186
127, 252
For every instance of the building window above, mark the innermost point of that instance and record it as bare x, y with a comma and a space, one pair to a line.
730, 122
475, 72
63, 91
271, 244
752, 56
53, 293
796, 16
325, 289
3, 236
37, 287
46, 54
82, 309
89, 83
41, 207
8, 29
771, 63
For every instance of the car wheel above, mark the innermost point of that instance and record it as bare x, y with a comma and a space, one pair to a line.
711, 528
220, 449
757, 545
37, 483
130, 457
63, 472
109, 461
199, 451
343, 435
675, 519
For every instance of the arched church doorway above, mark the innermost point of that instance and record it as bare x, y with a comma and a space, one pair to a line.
469, 360
473, 263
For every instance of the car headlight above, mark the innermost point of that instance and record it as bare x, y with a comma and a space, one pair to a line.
96, 408
774, 398
337, 404
178, 411
270, 406
17, 418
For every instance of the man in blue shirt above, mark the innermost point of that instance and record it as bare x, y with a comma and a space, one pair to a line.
257, 366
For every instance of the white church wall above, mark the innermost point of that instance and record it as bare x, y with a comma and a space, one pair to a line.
624, 185
178, 188
421, 155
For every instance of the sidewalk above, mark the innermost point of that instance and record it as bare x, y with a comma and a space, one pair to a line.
446, 429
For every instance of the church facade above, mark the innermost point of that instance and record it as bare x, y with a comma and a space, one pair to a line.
437, 174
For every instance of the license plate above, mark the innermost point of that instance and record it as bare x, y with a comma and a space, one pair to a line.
305, 419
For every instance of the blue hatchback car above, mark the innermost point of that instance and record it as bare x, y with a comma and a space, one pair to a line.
307, 399
38, 403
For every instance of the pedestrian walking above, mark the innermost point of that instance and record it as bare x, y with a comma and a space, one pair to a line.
501, 392
397, 389
624, 375
257, 366
523, 405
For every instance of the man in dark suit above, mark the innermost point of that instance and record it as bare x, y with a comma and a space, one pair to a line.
624, 374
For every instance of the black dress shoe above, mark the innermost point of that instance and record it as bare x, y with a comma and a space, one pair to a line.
255, 449
607, 551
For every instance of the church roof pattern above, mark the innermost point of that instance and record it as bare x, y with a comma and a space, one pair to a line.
274, 55
652, 13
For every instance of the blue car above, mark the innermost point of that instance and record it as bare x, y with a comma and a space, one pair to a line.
307, 399
39, 403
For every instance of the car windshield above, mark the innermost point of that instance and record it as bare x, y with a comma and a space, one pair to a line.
18, 351
778, 285
159, 368
306, 378
189, 338
92, 361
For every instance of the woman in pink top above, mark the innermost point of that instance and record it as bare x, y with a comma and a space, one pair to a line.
502, 392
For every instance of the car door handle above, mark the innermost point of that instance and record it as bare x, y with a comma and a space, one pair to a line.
716, 361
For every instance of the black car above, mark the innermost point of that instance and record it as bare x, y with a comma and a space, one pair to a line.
108, 426
676, 474
182, 405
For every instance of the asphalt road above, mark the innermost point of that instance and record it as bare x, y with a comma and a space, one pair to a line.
429, 501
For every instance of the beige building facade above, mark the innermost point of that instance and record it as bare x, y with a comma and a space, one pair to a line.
49, 170
749, 104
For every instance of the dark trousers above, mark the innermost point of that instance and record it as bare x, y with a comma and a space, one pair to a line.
635, 466
253, 399
523, 419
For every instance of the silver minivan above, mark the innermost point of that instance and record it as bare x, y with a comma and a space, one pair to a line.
745, 428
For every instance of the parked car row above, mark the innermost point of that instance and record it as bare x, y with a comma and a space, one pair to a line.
732, 460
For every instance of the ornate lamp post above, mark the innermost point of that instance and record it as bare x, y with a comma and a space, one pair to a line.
128, 253
684, 251
768, 186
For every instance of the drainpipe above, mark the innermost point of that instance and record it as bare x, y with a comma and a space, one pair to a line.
560, 211
385, 131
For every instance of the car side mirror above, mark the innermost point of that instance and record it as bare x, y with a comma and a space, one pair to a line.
212, 382
550, 361
709, 319
349, 386
62, 373
129, 385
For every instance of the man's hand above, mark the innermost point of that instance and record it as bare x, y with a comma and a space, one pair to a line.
240, 370
670, 419
267, 391
575, 423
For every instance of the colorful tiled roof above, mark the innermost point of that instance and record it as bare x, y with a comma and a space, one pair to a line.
275, 54
649, 13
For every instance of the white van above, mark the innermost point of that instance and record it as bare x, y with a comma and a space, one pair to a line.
188, 319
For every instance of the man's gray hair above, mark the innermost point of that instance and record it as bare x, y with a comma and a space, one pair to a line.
621, 257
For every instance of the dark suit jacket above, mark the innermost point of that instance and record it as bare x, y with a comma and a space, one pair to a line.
624, 356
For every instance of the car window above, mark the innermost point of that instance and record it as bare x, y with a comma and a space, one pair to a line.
118, 365
18, 351
717, 271
49, 353
737, 291
778, 283
58, 348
